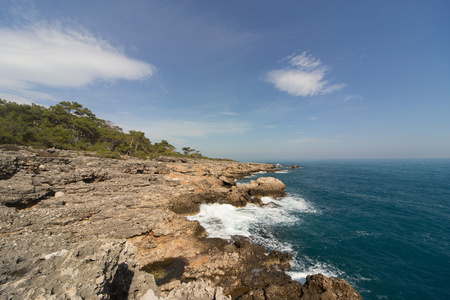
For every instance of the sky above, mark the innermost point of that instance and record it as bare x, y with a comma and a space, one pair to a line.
243, 79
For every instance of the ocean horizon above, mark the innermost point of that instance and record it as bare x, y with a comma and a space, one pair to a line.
381, 224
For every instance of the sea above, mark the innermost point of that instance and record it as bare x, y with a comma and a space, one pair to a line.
382, 225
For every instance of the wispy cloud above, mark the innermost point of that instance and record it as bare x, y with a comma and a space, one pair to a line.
24, 96
304, 140
55, 55
228, 113
352, 98
304, 76
312, 118
15, 98
179, 131
307, 140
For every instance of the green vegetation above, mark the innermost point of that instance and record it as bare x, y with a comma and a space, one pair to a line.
68, 125
187, 151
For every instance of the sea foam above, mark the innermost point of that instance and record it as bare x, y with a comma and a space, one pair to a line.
253, 221
257, 222
306, 266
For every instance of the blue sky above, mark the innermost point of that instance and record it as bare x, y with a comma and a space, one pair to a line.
248, 80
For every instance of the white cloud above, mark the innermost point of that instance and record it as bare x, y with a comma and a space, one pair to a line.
15, 98
26, 95
228, 113
305, 76
54, 55
313, 118
352, 98
304, 140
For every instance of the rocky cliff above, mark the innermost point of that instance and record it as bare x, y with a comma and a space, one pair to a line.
77, 226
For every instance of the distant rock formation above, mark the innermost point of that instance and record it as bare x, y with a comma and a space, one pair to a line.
76, 226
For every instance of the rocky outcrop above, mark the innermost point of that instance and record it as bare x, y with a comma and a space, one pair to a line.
94, 269
320, 287
198, 289
265, 187
76, 226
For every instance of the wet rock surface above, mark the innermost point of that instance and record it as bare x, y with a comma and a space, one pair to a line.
76, 226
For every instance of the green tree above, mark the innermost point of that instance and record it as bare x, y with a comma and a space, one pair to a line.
139, 145
164, 148
187, 150
69, 125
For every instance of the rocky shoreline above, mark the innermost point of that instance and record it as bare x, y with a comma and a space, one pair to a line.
78, 226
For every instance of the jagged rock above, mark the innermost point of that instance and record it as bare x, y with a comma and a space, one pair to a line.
227, 181
23, 190
321, 287
162, 169
171, 159
87, 270
199, 290
265, 187
291, 290
8, 166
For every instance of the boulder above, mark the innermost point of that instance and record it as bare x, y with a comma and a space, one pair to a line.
265, 187
324, 288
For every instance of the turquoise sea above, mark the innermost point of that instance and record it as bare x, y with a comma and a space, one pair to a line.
383, 225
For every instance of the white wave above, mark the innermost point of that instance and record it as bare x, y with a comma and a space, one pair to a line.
359, 277
252, 176
282, 172
305, 267
266, 239
254, 221
266, 200
365, 234
292, 203
257, 222
223, 221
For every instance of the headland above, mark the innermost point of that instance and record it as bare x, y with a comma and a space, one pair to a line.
77, 226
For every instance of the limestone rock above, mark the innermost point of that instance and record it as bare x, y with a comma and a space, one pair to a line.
320, 287
23, 190
88, 270
266, 187
77, 226
8, 166
199, 290
227, 181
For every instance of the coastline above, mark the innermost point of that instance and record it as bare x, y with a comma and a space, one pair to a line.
80, 226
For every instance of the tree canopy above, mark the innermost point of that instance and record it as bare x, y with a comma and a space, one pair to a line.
69, 125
